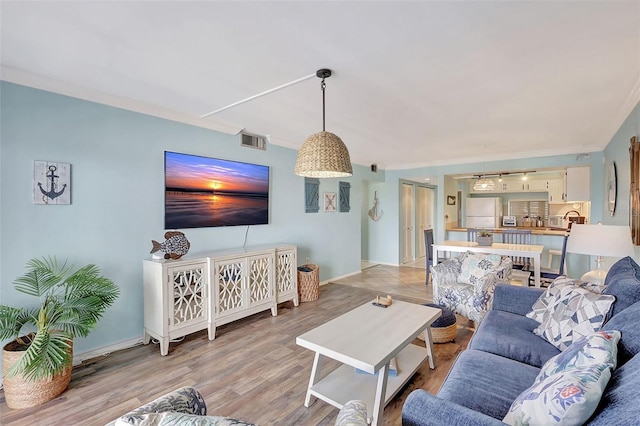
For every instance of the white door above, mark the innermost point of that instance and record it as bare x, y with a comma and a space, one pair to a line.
424, 217
407, 224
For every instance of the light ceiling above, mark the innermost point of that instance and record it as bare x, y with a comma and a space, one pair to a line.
414, 83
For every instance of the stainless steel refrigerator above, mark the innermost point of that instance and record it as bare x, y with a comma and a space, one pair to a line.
483, 212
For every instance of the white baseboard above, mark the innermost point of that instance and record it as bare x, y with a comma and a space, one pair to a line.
340, 277
106, 350
382, 263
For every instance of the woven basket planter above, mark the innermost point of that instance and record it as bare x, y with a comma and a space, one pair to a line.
22, 393
309, 283
442, 334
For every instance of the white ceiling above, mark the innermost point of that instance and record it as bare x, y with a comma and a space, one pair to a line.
415, 83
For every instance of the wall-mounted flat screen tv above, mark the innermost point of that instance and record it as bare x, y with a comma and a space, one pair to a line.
205, 192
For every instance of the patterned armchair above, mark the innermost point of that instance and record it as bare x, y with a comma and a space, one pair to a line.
184, 406
465, 284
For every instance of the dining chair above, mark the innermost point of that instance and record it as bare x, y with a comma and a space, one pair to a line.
472, 234
522, 270
428, 242
518, 236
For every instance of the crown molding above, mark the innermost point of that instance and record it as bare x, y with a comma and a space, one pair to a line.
623, 113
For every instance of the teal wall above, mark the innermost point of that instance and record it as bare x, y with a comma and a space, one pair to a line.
117, 167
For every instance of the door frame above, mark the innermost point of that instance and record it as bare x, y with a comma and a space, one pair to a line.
401, 233
418, 235
401, 225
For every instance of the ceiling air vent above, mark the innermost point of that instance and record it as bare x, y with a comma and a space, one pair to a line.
253, 141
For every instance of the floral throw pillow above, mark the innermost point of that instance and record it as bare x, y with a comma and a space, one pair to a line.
577, 312
551, 295
599, 348
569, 386
353, 413
475, 267
172, 418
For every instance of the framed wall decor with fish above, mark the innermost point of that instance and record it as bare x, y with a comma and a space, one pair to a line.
51, 182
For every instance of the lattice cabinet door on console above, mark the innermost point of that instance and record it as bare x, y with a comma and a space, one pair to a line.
287, 274
242, 286
192, 294
176, 298
228, 280
189, 296
260, 287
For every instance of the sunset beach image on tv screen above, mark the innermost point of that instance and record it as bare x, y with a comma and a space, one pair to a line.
204, 192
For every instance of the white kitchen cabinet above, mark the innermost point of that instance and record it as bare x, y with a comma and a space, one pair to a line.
512, 185
516, 184
535, 185
578, 184
192, 294
556, 191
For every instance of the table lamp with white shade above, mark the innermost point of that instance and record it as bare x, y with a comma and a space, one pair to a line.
600, 241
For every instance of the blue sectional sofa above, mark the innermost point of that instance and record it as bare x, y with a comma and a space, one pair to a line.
504, 358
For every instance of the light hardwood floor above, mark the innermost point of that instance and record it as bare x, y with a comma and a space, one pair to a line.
401, 281
253, 370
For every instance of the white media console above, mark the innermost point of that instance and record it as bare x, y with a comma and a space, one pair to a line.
204, 291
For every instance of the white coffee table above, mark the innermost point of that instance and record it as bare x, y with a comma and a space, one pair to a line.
367, 338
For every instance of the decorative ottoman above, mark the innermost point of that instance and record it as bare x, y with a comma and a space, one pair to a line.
443, 329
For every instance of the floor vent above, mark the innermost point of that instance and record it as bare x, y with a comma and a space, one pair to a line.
253, 141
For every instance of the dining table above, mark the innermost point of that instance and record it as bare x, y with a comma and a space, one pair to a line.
531, 251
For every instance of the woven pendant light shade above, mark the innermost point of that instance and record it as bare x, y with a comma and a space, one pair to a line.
323, 155
484, 184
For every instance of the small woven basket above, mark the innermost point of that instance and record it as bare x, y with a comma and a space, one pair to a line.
442, 334
309, 283
22, 393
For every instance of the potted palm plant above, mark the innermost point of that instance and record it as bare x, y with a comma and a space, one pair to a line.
36, 364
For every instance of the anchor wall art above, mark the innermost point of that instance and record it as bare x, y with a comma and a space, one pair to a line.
51, 183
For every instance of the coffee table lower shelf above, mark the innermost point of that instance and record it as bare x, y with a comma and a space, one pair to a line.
344, 384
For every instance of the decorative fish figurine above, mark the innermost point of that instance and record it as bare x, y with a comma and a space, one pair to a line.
175, 245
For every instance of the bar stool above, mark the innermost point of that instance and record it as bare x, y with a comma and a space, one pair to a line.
556, 253
548, 275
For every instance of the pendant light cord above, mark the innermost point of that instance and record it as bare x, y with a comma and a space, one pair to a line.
322, 86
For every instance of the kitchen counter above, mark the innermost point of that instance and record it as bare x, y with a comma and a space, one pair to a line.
534, 230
